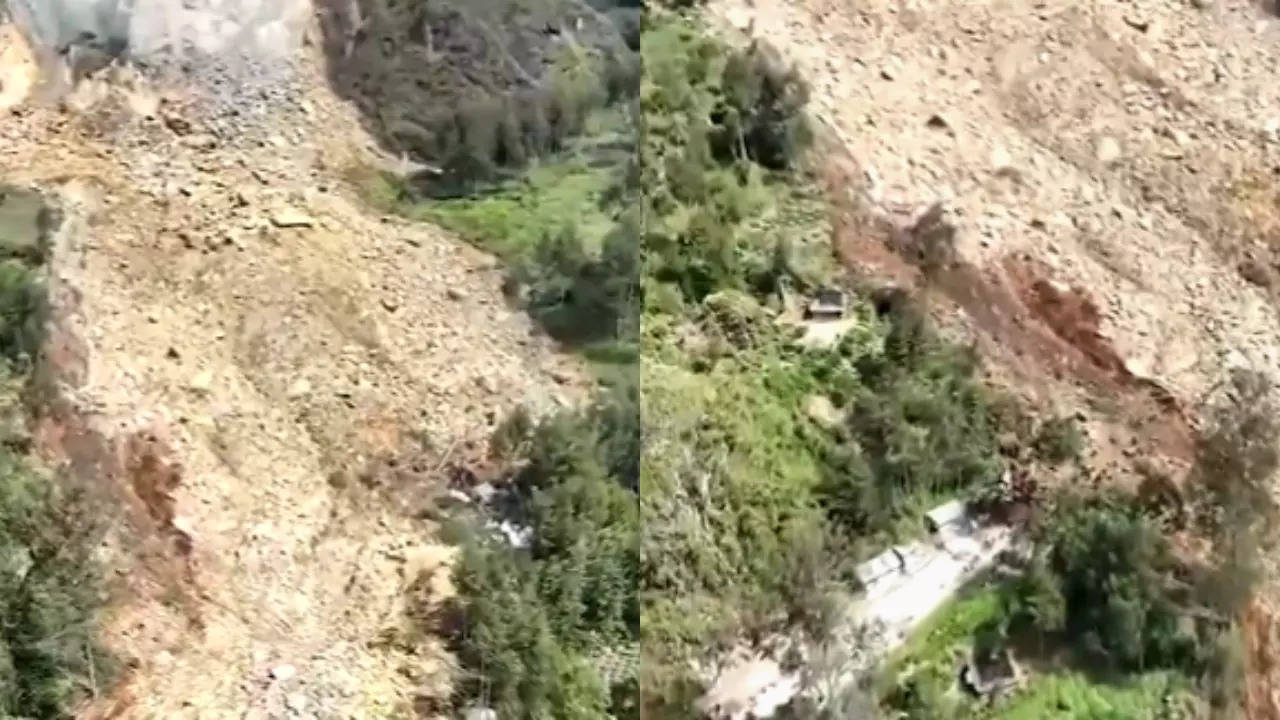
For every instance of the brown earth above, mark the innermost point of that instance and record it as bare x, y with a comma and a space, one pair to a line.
235, 339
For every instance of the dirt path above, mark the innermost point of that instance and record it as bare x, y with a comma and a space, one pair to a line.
240, 345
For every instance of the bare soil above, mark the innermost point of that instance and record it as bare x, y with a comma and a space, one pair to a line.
240, 355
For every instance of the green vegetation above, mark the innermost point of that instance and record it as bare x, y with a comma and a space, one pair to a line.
49, 582
1075, 696
744, 509
1059, 440
921, 676
479, 89
544, 177
1114, 622
49, 588
568, 230
539, 620
753, 510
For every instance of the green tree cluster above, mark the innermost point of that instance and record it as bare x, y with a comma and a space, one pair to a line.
754, 512
535, 618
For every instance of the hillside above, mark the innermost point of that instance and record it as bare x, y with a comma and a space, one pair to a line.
261, 379
597, 359
1080, 192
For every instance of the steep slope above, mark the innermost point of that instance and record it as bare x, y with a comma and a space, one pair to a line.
270, 379
1108, 171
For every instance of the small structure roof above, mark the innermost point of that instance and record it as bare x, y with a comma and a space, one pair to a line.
886, 563
947, 514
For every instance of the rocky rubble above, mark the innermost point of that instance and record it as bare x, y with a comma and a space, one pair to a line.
217, 282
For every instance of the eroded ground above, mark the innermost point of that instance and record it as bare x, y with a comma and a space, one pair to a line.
267, 380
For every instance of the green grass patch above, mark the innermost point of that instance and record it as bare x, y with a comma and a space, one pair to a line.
943, 636
1075, 696
511, 221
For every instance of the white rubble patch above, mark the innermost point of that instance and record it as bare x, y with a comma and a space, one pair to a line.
751, 688
902, 586
262, 29
936, 569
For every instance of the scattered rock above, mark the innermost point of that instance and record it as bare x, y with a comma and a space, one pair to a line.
281, 673
821, 410
1139, 24
452, 498
483, 492
1002, 161
292, 218
480, 713
176, 123
201, 141
455, 294
202, 382
938, 122
1108, 150
1256, 273
299, 388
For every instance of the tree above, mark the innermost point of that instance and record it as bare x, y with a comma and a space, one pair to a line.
1038, 599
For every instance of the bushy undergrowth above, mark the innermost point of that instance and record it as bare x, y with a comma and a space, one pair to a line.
480, 89
49, 589
50, 583
753, 511
1114, 614
537, 620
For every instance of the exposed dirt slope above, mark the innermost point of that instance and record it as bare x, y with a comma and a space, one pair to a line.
271, 378
1110, 169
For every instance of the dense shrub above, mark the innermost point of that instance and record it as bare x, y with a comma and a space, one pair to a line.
581, 296
48, 593
1107, 584
753, 512
21, 310
49, 582
1115, 570
920, 427
535, 616
480, 88
1059, 440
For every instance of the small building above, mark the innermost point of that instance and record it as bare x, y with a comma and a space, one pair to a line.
993, 676
887, 564
827, 304
952, 517
911, 558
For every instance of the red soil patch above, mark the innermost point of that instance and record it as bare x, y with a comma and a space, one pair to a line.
1035, 328
1262, 696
